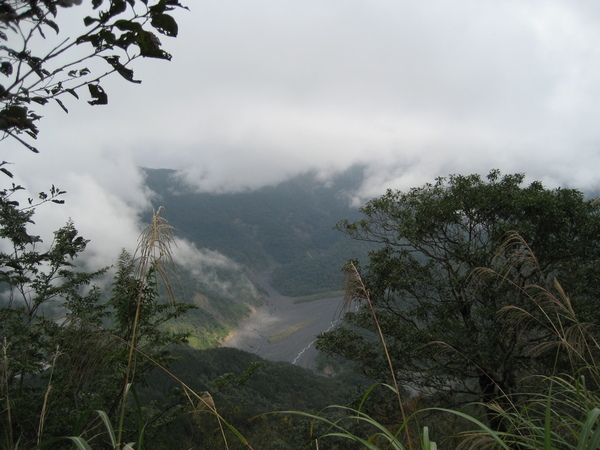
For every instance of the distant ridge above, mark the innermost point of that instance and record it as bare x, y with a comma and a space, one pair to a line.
287, 227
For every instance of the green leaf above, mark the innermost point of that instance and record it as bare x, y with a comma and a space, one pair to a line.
15, 116
58, 88
587, 430
140, 418
495, 435
100, 97
109, 427
121, 69
427, 444
39, 100
87, 21
149, 46
60, 103
6, 171
166, 5
52, 25
72, 92
36, 65
117, 7
104, 38
165, 24
79, 442
6, 68
127, 25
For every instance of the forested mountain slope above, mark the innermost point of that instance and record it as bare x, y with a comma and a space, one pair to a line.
246, 390
288, 227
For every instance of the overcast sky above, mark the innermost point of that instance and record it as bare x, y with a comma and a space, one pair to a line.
258, 91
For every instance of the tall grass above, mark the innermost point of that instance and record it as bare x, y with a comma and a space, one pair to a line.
154, 250
356, 291
346, 419
153, 254
559, 410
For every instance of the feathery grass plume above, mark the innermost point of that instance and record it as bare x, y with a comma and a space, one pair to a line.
154, 253
207, 403
558, 411
204, 402
553, 307
356, 291
154, 250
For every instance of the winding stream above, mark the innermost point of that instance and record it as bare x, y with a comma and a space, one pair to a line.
283, 330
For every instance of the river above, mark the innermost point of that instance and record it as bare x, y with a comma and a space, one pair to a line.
283, 330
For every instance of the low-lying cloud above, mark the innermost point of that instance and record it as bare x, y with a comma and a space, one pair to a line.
261, 91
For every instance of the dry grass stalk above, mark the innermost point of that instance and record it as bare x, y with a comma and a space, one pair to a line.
207, 403
357, 291
44, 411
199, 402
154, 253
154, 250
6, 393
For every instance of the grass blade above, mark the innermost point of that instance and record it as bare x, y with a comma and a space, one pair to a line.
491, 433
586, 431
109, 427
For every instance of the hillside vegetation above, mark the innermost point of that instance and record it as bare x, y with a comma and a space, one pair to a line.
288, 227
457, 314
223, 296
246, 390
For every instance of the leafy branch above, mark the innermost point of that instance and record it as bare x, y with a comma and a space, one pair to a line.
116, 35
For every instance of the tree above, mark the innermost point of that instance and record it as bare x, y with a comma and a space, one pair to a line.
445, 329
65, 348
35, 284
116, 33
64, 351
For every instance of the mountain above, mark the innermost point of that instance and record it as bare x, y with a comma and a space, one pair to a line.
282, 235
246, 390
288, 226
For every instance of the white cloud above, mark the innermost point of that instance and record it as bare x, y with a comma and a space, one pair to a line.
216, 271
259, 91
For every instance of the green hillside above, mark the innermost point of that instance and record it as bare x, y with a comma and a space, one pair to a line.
223, 297
242, 399
288, 227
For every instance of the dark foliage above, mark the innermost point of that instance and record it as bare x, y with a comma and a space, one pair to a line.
116, 33
245, 389
63, 350
444, 329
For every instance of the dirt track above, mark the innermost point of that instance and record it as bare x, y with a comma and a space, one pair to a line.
283, 330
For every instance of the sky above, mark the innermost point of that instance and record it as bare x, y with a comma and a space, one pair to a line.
259, 91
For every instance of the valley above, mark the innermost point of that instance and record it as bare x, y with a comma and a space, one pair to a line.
284, 329
279, 282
